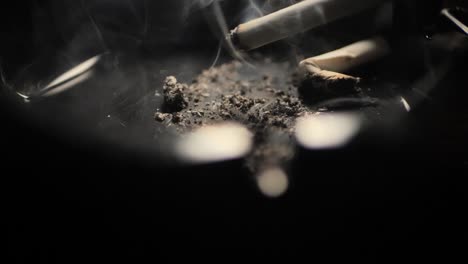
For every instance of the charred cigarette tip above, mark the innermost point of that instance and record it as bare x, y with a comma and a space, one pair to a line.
315, 84
233, 37
325, 71
311, 75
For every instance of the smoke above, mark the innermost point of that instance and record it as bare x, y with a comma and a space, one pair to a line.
223, 25
94, 24
3, 80
205, 3
258, 8
253, 11
223, 16
196, 5
214, 11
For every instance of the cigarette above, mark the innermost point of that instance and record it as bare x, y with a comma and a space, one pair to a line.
351, 56
329, 69
294, 19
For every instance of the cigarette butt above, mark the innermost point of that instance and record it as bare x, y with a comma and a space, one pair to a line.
351, 56
294, 19
326, 72
327, 82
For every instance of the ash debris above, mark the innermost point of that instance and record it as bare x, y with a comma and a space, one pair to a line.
174, 95
263, 99
319, 85
260, 100
267, 100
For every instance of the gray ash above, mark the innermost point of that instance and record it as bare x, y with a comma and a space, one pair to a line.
259, 98
174, 95
267, 99
263, 99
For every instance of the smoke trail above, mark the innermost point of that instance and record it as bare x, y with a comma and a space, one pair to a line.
146, 18
252, 11
3, 81
195, 5
256, 8
223, 26
95, 25
218, 55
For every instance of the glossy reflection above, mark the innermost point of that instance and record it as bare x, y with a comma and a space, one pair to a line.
273, 182
406, 104
326, 131
220, 142
75, 72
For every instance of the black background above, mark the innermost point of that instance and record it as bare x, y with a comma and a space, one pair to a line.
75, 201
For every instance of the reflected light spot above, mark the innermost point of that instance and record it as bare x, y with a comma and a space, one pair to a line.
406, 104
273, 182
328, 130
75, 71
225, 141
70, 84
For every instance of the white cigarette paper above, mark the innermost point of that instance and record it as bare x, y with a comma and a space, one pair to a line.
351, 56
297, 18
327, 70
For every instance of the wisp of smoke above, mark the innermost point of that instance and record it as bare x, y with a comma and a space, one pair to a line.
252, 11
195, 5
95, 25
213, 9
3, 81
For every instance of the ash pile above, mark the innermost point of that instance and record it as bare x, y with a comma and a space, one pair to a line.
264, 100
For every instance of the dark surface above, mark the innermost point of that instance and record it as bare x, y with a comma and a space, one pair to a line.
398, 191
71, 202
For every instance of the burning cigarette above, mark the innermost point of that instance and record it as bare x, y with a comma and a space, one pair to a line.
294, 19
328, 68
